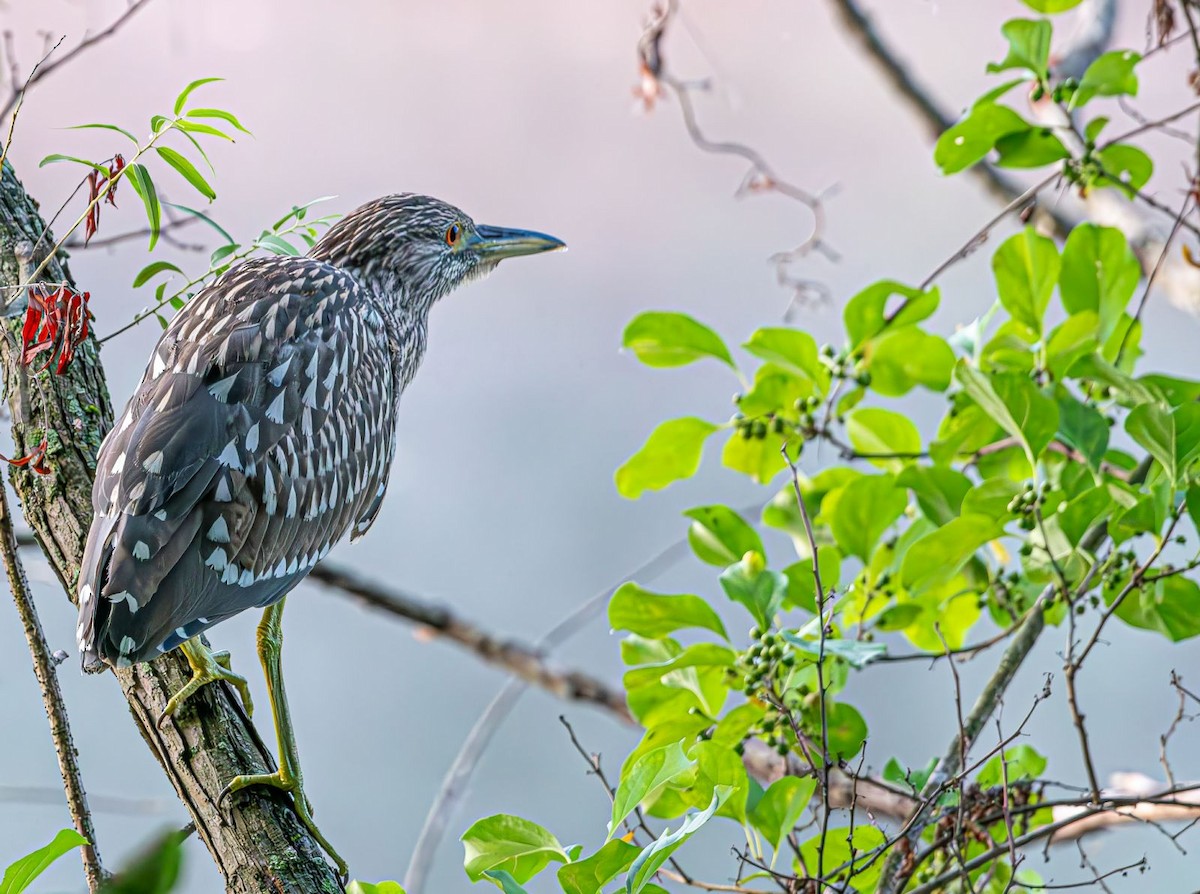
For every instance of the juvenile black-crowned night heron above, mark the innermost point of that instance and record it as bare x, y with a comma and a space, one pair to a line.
263, 431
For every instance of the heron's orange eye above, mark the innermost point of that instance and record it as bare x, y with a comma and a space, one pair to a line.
452, 234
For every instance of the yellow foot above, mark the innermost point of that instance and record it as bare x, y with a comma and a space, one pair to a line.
207, 667
295, 787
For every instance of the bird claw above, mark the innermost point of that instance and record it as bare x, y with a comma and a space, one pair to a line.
300, 802
207, 667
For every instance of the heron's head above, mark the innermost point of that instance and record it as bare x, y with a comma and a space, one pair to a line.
427, 246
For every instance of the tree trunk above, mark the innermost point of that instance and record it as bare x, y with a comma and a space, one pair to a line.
258, 844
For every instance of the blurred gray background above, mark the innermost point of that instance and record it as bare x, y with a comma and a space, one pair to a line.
501, 503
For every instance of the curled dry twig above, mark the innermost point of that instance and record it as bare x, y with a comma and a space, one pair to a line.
656, 82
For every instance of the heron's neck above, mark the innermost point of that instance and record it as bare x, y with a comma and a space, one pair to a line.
406, 318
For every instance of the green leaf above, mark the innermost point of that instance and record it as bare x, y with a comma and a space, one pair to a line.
1083, 428
672, 452
1171, 436
20, 875
990, 498
358, 887
847, 731
298, 211
660, 850
590, 875
1169, 605
665, 339
867, 314
1028, 47
802, 584
910, 779
860, 512
774, 388
760, 458
196, 145
217, 113
792, 350
884, 437
278, 245
187, 170
111, 127
761, 591
1026, 268
1130, 392
843, 845
143, 185
1110, 74
719, 767
939, 490
856, 653
1091, 132
897, 616
643, 779
675, 679
906, 357
195, 127
511, 844
206, 219
1032, 148
1023, 763
151, 270
971, 139
56, 157
1099, 273
1080, 513
1128, 166
656, 615
1051, 7
1013, 402
781, 806
154, 870
719, 536
181, 99
1074, 337
938, 556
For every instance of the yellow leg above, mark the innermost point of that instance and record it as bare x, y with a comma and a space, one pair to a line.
207, 667
288, 777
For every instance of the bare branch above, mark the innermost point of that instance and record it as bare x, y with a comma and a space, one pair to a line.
44, 668
524, 661
89, 41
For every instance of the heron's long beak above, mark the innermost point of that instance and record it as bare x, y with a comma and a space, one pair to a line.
498, 243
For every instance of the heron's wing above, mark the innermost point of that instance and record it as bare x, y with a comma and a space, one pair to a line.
261, 431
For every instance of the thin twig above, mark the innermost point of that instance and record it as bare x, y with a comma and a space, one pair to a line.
87, 43
12, 124
761, 177
56, 710
821, 687
1019, 647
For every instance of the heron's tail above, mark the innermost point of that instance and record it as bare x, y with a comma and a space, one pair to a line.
92, 576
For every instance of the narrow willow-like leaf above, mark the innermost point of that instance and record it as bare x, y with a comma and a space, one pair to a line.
181, 100
143, 185
187, 170
220, 114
